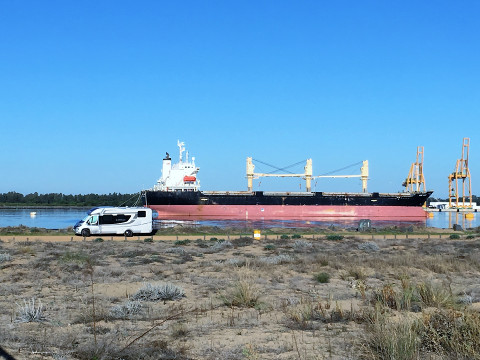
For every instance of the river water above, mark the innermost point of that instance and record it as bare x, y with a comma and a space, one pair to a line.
63, 218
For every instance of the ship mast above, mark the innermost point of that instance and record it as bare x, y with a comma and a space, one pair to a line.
181, 148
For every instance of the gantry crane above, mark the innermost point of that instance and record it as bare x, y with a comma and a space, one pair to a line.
415, 181
307, 175
462, 173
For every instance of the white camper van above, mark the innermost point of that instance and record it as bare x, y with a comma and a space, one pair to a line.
116, 220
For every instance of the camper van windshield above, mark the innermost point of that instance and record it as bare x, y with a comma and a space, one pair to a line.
93, 220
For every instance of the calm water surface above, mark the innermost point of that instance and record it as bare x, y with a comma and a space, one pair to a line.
63, 218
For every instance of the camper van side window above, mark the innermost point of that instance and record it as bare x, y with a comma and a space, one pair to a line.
93, 220
106, 219
142, 213
121, 218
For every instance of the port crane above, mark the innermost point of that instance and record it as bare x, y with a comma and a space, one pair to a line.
462, 173
415, 181
307, 176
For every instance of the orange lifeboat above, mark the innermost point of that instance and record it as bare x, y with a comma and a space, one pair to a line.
189, 178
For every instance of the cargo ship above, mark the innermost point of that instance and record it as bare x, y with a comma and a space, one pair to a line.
177, 196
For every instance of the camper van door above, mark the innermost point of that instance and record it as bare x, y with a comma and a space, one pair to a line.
93, 224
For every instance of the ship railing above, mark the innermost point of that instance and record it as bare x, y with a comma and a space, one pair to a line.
228, 193
287, 193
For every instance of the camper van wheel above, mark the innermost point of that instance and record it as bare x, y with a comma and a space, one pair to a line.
128, 233
85, 233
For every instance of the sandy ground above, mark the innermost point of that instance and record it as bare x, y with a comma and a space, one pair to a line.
244, 298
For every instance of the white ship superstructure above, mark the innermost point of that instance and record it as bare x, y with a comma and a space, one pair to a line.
181, 176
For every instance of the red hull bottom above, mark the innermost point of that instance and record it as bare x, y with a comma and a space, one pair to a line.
285, 212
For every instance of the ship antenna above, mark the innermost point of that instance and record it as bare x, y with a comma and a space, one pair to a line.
180, 148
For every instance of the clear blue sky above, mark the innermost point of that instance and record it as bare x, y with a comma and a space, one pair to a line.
92, 93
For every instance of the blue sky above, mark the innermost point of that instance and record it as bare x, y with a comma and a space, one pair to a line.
92, 93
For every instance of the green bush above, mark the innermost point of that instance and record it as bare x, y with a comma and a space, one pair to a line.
148, 240
322, 277
269, 247
296, 236
98, 240
334, 237
284, 237
78, 257
182, 242
469, 237
454, 236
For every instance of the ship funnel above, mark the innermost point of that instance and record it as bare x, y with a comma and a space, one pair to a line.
167, 165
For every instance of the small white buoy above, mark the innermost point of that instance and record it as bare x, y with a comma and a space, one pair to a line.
33, 214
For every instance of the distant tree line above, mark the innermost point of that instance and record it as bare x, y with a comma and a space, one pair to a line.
432, 199
59, 199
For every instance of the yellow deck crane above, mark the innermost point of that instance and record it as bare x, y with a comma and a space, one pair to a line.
462, 173
415, 181
307, 176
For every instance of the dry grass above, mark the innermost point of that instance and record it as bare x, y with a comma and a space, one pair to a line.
242, 299
244, 292
393, 339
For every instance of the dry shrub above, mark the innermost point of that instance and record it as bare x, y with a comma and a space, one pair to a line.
437, 295
452, 332
355, 272
308, 313
301, 316
161, 292
386, 296
244, 292
4, 257
302, 246
393, 340
109, 348
275, 260
242, 241
438, 264
126, 310
31, 311
179, 330
400, 299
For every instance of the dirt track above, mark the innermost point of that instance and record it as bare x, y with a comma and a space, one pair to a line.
73, 238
